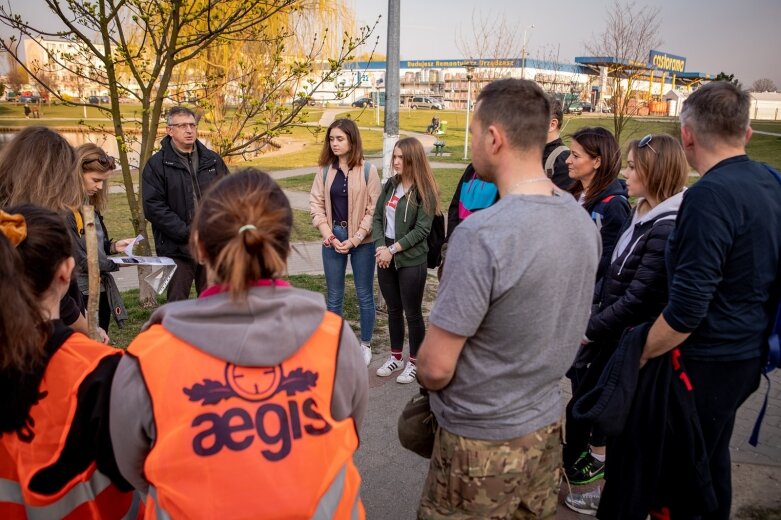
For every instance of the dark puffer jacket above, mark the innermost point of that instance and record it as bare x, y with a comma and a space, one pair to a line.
609, 212
170, 194
634, 288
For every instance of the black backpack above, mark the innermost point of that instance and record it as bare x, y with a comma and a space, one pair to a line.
436, 238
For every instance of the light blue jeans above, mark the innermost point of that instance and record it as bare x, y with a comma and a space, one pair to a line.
335, 266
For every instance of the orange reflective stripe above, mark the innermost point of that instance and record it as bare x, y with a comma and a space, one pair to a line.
224, 432
88, 494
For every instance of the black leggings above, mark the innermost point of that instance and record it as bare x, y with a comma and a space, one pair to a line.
403, 292
104, 310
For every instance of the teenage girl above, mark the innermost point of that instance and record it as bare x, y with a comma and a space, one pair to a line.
402, 223
246, 402
342, 201
56, 457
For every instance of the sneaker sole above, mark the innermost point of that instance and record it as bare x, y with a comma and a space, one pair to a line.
596, 477
390, 373
581, 510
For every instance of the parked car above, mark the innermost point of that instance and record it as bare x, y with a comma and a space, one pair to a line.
93, 99
363, 102
425, 102
586, 106
574, 108
29, 99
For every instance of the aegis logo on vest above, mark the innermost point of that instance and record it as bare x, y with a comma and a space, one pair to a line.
277, 424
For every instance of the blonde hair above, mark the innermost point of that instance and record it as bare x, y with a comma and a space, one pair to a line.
98, 161
417, 168
660, 165
39, 167
243, 227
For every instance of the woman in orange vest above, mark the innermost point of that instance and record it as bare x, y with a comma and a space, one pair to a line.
244, 403
56, 459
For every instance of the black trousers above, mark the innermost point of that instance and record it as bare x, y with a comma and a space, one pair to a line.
187, 272
720, 387
584, 374
403, 292
104, 310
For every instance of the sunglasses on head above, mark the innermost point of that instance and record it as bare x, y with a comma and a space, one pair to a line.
646, 141
106, 161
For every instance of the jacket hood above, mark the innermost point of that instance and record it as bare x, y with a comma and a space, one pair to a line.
666, 206
264, 330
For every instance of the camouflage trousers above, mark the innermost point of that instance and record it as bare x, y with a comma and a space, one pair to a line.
512, 479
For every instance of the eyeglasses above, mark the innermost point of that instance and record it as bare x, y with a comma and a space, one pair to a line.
105, 161
646, 141
184, 126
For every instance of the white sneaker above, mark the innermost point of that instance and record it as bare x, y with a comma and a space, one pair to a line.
390, 366
409, 374
367, 353
586, 503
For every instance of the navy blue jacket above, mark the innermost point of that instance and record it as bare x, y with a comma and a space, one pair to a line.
609, 212
723, 259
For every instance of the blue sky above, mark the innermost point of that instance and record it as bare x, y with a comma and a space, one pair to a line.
738, 37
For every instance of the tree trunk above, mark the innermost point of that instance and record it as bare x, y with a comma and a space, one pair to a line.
93, 270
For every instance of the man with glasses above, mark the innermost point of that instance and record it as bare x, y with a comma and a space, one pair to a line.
723, 260
174, 180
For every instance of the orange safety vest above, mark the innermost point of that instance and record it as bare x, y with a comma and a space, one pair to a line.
247, 442
89, 494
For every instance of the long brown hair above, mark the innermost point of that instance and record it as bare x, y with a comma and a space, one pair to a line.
26, 272
349, 127
243, 227
598, 142
417, 169
661, 166
96, 160
39, 167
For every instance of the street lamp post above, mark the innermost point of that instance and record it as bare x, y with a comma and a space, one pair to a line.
523, 52
469, 71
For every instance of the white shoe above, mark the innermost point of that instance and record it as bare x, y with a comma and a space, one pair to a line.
586, 503
390, 366
409, 375
367, 353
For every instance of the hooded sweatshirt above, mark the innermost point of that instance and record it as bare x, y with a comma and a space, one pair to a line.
634, 288
266, 329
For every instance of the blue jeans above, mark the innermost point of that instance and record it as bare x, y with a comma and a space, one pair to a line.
335, 266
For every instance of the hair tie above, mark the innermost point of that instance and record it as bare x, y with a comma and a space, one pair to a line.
13, 227
246, 227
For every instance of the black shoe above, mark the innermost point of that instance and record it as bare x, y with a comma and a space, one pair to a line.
587, 469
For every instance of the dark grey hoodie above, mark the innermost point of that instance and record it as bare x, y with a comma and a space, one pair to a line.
266, 329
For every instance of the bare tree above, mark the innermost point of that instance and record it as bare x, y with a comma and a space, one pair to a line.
132, 49
764, 85
629, 35
489, 41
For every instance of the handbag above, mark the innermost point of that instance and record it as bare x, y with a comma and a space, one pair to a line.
418, 426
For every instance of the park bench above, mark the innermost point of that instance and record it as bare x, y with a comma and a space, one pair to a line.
439, 147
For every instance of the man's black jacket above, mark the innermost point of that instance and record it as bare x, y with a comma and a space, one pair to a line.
170, 193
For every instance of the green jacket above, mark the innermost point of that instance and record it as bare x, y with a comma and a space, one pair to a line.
413, 225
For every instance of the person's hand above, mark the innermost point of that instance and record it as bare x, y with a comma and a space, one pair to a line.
383, 257
103, 336
328, 242
121, 245
336, 244
344, 247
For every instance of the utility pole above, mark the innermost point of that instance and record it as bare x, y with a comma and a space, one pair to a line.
390, 134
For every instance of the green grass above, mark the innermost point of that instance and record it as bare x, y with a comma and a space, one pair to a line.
303, 230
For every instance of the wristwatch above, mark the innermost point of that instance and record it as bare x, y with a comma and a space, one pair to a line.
392, 249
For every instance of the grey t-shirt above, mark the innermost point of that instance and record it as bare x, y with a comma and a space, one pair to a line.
517, 282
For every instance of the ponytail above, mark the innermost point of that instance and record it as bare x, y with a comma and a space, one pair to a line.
243, 229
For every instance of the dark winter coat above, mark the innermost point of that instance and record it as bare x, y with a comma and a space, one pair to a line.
609, 212
634, 288
170, 193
